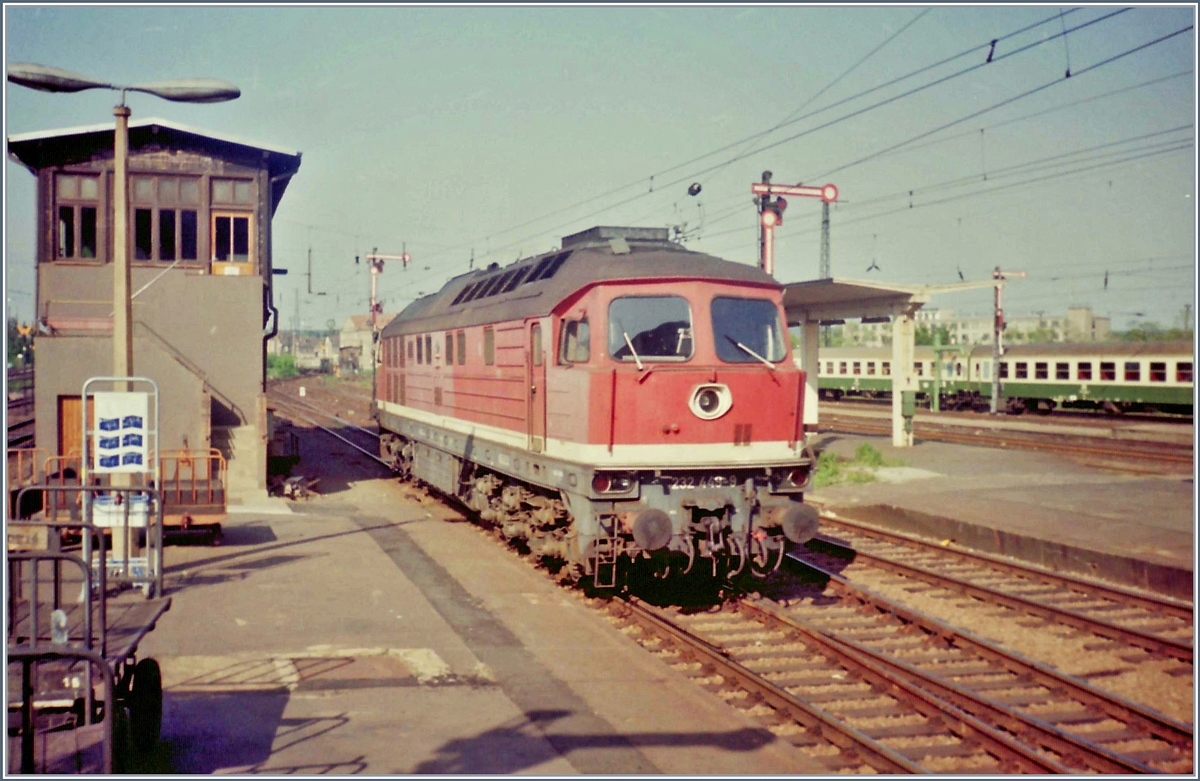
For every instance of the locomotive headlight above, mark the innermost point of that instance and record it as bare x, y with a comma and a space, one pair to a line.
710, 401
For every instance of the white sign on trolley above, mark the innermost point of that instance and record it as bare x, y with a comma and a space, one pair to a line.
121, 438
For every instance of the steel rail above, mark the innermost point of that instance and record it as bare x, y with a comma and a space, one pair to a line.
1149, 721
1158, 604
1166, 646
1010, 754
296, 403
332, 433
1078, 754
1017, 440
826, 724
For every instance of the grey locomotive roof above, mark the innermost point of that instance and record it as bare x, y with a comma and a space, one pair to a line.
562, 273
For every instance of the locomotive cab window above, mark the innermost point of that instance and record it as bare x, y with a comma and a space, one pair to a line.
748, 330
575, 342
656, 328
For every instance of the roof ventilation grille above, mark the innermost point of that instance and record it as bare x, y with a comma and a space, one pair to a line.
603, 233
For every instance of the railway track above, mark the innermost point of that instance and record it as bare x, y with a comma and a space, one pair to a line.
1159, 625
865, 684
1159, 454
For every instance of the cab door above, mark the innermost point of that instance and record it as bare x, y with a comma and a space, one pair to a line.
535, 362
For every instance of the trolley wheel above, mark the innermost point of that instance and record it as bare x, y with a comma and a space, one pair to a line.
145, 705
122, 750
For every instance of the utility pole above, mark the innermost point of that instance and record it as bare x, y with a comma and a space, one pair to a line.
825, 273
296, 324
998, 326
1187, 319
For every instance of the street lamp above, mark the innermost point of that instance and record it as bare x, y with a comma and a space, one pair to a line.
47, 79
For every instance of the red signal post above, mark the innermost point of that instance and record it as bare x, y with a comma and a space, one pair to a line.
771, 207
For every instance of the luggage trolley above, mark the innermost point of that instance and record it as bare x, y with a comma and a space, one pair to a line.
78, 695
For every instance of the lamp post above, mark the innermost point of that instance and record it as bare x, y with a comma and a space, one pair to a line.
48, 79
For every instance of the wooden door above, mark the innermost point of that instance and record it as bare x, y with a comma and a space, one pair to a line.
70, 424
536, 364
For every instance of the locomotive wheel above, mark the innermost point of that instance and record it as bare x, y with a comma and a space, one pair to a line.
145, 705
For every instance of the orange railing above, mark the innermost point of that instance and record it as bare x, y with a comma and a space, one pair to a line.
26, 466
191, 477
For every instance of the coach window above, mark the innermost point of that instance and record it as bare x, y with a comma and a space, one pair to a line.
462, 348
885, 368
1004, 370
449, 349
1041, 370
829, 367
1022, 370
655, 328
748, 330
1133, 371
489, 346
78, 199
410, 349
575, 342
1183, 371
428, 348
420, 351
870, 367
1158, 372
858, 367
1062, 371
1108, 370
919, 369
400, 350
1083, 370
841, 367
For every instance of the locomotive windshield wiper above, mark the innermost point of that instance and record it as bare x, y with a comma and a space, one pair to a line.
750, 352
632, 351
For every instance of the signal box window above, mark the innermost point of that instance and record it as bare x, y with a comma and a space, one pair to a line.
232, 244
1133, 371
489, 347
1004, 370
748, 330
657, 328
575, 342
1022, 370
1108, 370
1041, 371
449, 349
1158, 372
1083, 370
462, 347
165, 218
78, 199
1183, 372
1062, 371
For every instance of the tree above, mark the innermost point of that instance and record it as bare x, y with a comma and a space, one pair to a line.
20, 343
1151, 331
924, 334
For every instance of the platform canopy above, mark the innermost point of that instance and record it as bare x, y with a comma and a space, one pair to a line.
817, 301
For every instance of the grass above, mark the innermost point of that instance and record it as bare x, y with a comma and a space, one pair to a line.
832, 469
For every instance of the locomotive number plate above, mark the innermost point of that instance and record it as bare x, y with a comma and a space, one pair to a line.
703, 481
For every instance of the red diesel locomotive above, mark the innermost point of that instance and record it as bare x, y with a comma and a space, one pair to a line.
622, 398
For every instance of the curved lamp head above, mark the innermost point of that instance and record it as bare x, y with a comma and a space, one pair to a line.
47, 79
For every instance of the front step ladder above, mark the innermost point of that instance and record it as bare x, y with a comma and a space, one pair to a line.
608, 550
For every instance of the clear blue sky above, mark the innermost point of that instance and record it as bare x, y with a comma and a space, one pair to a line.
452, 129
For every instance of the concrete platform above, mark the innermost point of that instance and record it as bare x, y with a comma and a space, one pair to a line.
1135, 530
362, 632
